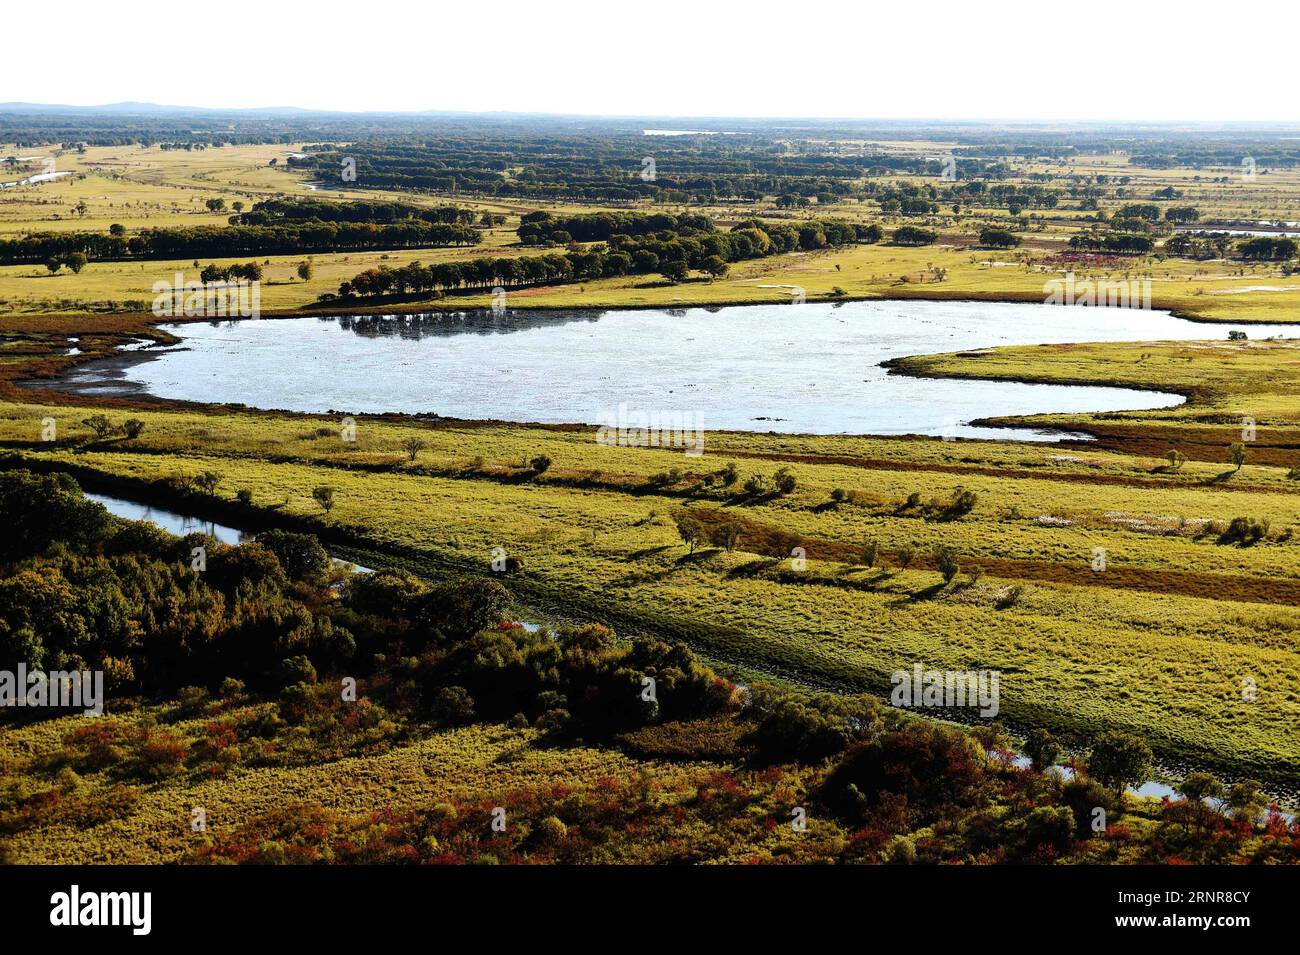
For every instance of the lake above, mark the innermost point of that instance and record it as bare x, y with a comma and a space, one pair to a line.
811, 368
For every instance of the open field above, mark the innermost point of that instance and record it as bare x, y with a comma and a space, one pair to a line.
1113, 585
1186, 615
1159, 642
144, 188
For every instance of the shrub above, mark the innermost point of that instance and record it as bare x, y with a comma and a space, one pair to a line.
899, 850
1050, 827
161, 753
100, 425
1009, 597
554, 722
1244, 531
208, 482
945, 561
808, 728
784, 481
457, 609
452, 706
540, 464
297, 669
133, 428
1084, 797
932, 767
961, 504
551, 831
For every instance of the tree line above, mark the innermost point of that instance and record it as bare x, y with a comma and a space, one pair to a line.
230, 241
541, 227
271, 211
671, 254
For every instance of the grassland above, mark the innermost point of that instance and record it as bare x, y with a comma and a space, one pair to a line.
1161, 642
139, 188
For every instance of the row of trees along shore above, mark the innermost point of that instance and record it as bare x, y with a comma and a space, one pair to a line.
674, 253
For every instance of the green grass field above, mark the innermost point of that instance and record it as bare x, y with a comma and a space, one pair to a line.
1160, 642
141, 188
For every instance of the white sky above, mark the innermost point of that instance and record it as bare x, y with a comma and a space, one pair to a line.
1130, 60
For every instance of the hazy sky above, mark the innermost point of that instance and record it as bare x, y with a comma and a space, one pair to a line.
1130, 60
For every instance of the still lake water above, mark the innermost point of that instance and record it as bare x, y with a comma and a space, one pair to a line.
811, 369
180, 524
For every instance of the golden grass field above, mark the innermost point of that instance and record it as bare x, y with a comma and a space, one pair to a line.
1158, 643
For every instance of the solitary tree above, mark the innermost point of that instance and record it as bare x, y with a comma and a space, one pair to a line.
412, 447
100, 425
304, 271
324, 496
208, 481
689, 528
945, 560
726, 534
1238, 452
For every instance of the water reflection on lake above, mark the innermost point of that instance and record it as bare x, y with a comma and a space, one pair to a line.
784, 368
